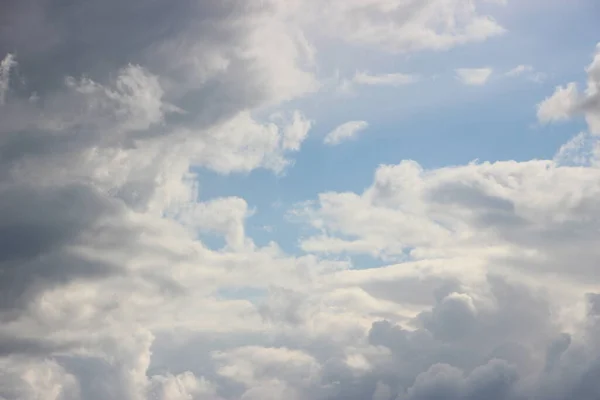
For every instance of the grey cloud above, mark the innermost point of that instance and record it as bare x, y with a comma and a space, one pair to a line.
500, 361
559, 240
36, 224
489, 210
412, 290
466, 335
594, 303
197, 48
452, 318
440, 381
11, 346
95, 38
556, 349
441, 372
36, 221
283, 305
494, 381
78, 93
420, 366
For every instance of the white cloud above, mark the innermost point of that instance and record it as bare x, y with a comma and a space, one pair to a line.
476, 210
581, 150
225, 216
560, 106
244, 144
181, 387
251, 365
403, 26
474, 76
527, 71
396, 79
567, 101
520, 70
346, 131
391, 79
5, 66
296, 132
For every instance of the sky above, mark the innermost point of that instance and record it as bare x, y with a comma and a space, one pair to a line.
300, 200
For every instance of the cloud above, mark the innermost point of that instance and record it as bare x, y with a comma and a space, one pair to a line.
296, 132
520, 70
485, 208
243, 144
560, 106
108, 291
581, 150
393, 79
97, 152
347, 131
402, 27
182, 386
474, 76
367, 79
527, 71
5, 66
567, 101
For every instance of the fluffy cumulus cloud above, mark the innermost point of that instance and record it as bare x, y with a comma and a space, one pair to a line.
109, 290
567, 101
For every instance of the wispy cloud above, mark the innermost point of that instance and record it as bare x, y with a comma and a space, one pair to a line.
391, 79
344, 132
527, 71
520, 70
394, 79
474, 76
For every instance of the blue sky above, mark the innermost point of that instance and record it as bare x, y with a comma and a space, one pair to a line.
437, 121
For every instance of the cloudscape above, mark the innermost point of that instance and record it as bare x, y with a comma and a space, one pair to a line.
299, 200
